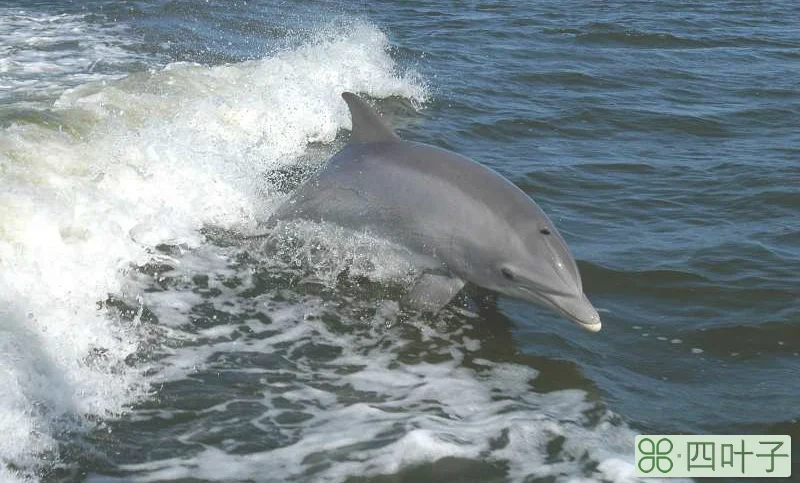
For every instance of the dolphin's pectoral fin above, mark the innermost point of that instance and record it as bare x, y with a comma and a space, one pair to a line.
433, 291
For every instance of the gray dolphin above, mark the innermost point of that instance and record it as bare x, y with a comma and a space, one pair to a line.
466, 220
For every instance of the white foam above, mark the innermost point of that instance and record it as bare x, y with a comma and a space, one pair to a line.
405, 413
138, 161
42, 54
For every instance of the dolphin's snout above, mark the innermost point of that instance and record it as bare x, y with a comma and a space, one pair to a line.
578, 309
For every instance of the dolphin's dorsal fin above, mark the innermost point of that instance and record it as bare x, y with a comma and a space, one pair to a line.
368, 127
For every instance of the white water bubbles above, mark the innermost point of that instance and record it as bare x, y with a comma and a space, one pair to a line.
128, 165
267, 377
41, 54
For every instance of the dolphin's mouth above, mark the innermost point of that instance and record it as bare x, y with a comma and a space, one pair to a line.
576, 308
579, 310
593, 326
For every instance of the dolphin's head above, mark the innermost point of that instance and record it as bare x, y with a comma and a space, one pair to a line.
538, 266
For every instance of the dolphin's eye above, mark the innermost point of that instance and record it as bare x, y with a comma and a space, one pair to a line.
507, 273
544, 231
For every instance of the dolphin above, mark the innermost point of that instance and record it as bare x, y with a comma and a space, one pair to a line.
467, 222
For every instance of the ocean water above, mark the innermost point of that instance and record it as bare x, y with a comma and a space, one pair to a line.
143, 338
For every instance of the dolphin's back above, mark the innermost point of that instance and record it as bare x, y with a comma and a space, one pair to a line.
432, 200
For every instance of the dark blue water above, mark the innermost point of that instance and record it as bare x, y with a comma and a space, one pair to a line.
662, 138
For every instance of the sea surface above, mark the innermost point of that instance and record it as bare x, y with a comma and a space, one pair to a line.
146, 336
